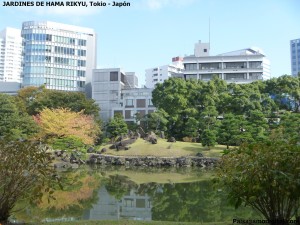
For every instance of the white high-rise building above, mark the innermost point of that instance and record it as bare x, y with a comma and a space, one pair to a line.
60, 56
295, 56
161, 73
10, 55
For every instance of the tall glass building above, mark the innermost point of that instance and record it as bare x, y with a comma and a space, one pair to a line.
57, 55
295, 56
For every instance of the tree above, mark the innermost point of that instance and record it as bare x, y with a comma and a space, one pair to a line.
13, 123
116, 126
34, 99
25, 172
62, 123
231, 130
157, 120
265, 176
209, 138
290, 124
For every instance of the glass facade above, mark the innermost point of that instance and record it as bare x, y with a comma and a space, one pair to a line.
295, 56
54, 57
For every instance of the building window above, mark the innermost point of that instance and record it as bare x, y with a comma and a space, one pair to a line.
128, 114
209, 66
255, 65
150, 102
129, 102
81, 63
235, 65
81, 42
81, 52
205, 50
190, 66
233, 76
114, 76
141, 103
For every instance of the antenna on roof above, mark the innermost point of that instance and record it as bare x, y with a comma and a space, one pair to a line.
209, 32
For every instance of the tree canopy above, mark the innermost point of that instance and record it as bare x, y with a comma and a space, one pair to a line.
264, 175
62, 123
14, 124
216, 108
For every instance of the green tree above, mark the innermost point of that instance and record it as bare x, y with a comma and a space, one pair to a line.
231, 130
13, 123
265, 176
116, 126
157, 120
209, 138
257, 125
290, 125
35, 99
25, 172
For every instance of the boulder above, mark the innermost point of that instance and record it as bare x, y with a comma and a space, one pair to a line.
90, 150
199, 154
171, 139
153, 140
103, 150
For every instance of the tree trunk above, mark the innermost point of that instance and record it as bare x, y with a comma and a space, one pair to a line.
4, 214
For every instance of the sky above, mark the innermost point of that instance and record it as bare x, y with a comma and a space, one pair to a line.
148, 33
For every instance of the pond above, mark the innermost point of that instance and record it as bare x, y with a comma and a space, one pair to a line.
116, 193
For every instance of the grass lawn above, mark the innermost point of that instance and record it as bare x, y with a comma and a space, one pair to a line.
132, 222
167, 149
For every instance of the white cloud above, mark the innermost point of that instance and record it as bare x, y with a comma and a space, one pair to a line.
158, 4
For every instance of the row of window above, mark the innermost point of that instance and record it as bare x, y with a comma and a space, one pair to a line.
227, 65
57, 49
64, 83
54, 71
54, 38
140, 103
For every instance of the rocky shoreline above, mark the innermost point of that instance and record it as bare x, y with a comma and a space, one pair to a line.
152, 161
73, 160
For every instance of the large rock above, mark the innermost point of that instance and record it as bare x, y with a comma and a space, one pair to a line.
171, 139
90, 150
199, 154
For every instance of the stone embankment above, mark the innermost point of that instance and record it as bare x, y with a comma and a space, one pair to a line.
151, 161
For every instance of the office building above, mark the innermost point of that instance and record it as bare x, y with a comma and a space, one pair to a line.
242, 66
161, 73
60, 56
115, 91
10, 55
295, 56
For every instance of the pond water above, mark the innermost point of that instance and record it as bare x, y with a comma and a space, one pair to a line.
116, 193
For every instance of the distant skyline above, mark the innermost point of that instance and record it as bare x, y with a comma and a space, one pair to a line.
149, 33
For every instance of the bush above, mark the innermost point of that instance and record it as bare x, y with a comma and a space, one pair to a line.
25, 172
265, 176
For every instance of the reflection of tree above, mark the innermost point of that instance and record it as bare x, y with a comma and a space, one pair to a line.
118, 185
194, 202
190, 202
80, 193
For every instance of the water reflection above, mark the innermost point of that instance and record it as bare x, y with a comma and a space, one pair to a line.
117, 193
130, 206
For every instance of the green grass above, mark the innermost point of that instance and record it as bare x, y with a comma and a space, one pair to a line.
166, 149
132, 222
